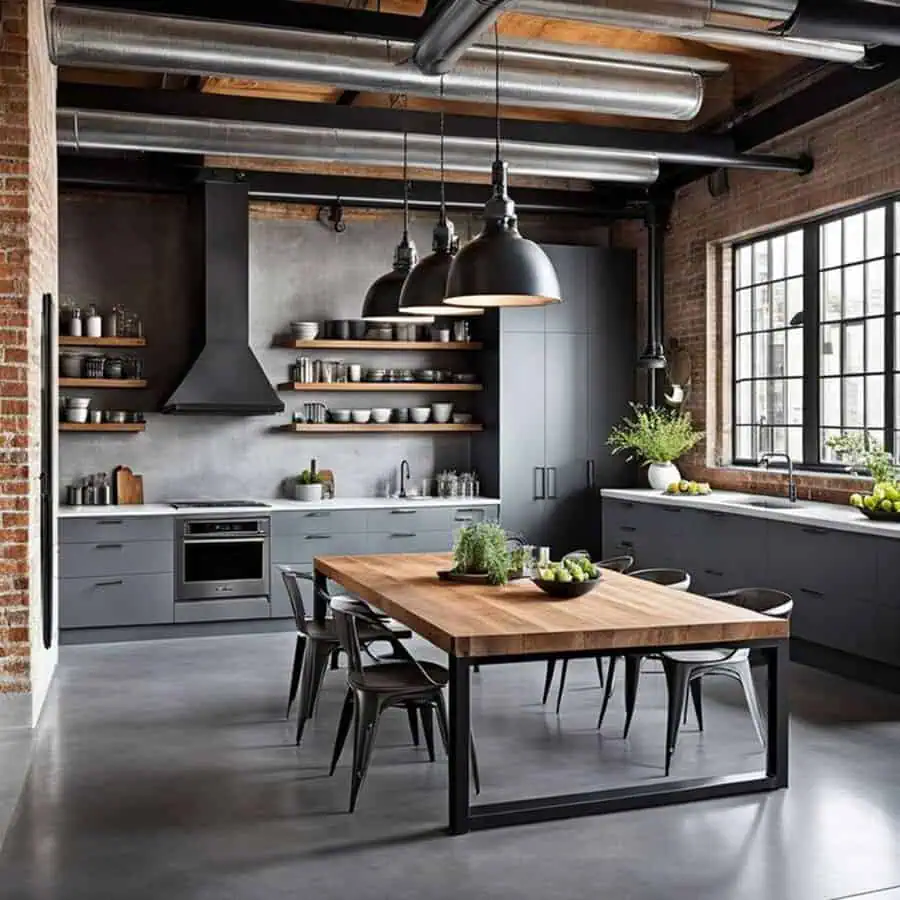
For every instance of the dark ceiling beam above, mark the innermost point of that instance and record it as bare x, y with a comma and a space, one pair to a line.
162, 173
277, 14
327, 115
347, 98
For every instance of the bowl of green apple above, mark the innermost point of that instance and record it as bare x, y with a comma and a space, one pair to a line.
882, 504
573, 577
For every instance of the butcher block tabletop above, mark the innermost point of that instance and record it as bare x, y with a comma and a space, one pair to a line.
519, 619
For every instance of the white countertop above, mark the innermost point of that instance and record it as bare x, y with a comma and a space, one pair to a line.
805, 512
276, 505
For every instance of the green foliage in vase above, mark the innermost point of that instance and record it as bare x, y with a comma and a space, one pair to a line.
481, 549
858, 451
654, 435
308, 477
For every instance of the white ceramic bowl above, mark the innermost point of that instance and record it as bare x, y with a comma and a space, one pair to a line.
420, 414
462, 418
380, 415
76, 415
341, 416
305, 331
360, 416
441, 412
78, 402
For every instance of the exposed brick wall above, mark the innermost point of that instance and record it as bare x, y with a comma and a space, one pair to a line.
27, 268
856, 159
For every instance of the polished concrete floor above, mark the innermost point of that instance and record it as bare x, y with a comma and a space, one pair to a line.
164, 770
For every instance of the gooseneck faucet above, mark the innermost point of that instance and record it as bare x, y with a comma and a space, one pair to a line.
792, 485
404, 475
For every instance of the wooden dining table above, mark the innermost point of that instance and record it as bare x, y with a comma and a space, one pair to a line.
485, 624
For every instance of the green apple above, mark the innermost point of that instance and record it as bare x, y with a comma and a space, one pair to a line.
891, 492
856, 500
886, 506
869, 502
684, 486
879, 493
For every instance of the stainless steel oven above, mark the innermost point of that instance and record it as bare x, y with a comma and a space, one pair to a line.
222, 558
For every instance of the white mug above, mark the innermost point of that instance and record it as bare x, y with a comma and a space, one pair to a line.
354, 372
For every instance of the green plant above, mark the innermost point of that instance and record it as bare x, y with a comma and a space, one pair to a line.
858, 451
654, 435
481, 549
308, 477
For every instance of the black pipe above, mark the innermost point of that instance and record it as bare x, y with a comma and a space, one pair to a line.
860, 21
653, 359
455, 28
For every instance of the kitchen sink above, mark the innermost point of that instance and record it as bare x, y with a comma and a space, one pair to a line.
770, 503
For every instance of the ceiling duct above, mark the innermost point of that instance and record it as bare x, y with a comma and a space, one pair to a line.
89, 130
133, 41
455, 28
867, 21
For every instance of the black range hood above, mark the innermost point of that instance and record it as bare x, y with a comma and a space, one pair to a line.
226, 379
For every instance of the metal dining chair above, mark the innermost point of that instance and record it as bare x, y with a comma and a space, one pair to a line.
614, 564
677, 580
684, 669
316, 643
410, 683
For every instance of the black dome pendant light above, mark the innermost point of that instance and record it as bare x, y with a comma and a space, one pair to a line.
382, 303
424, 289
499, 267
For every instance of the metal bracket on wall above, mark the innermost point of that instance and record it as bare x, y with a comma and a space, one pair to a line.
333, 216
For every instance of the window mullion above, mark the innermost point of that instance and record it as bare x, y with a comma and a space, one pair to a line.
811, 392
890, 289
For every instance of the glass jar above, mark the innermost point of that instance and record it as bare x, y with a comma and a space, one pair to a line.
94, 366
112, 367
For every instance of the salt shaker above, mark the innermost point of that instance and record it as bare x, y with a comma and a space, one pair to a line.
75, 323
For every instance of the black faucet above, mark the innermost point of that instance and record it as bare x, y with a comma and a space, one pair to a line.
404, 467
792, 486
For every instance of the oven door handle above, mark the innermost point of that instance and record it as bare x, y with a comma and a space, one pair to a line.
224, 540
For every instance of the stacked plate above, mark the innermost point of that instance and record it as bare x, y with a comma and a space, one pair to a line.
305, 331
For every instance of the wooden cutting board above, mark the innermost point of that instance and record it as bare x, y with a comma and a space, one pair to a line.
128, 486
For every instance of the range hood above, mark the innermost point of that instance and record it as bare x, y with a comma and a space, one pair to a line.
226, 379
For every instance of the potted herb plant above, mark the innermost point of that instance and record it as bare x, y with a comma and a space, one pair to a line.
483, 549
308, 486
656, 437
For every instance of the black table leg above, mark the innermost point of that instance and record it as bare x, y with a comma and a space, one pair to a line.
777, 659
458, 751
320, 596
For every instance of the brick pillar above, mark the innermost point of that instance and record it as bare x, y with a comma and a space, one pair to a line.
28, 268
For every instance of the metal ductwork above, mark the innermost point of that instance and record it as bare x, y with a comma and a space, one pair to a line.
701, 21
125, 40
455, 28
89, 130
867, 21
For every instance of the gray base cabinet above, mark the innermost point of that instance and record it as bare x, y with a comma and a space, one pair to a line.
846, 587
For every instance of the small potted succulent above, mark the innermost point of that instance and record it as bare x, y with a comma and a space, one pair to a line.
308, 486
656, 437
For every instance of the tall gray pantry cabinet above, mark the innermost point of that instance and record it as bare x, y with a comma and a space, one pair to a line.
557, 379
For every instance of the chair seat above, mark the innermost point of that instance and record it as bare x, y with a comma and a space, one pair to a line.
399, 678
325, 631
698, 657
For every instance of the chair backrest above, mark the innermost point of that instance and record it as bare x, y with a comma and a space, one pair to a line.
348, 615
292, 578
617, 563
677, 579
766, 601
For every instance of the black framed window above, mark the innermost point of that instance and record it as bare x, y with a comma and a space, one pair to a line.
816, 336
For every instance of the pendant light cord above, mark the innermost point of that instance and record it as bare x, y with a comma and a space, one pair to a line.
405, 183
497, 85
443, 216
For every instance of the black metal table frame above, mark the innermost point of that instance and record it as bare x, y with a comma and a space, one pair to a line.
464, 817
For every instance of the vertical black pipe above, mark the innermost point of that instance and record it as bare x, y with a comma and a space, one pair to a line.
653, 359
47, 483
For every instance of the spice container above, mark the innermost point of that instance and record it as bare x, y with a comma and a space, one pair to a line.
132, 367
93, 324
112, 367
75, 323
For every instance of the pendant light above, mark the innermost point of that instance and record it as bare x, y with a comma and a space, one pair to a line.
500, 268
382, 303
425, 287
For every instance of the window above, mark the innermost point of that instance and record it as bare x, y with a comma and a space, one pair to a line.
814, 355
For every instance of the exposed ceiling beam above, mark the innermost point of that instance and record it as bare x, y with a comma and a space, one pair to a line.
277, 14
717, 150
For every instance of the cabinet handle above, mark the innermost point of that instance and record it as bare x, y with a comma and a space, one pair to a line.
539, 493
318, 537
403, 534
628, 528
316, 515
466, 509
108, 546
811, 592
551, 483
626, 545
114, 583
464, 519
671, 509
814, 530
591, 474
715, 514
714, 572
110, 522
403, 512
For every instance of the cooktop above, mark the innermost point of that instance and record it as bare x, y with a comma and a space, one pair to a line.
214, 504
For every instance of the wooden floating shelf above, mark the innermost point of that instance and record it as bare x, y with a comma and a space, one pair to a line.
89, 383
294, 344
67, 340
131, 427
441, 387
301, 428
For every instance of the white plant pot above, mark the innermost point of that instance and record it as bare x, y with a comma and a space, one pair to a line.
661, 475
308, 492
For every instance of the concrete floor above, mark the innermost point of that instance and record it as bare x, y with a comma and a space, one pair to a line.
165, 770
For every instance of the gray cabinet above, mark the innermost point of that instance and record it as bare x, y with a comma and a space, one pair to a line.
95, 602
116, 557
565, 378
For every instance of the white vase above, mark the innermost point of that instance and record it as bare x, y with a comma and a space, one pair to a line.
661, 475
308, 492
